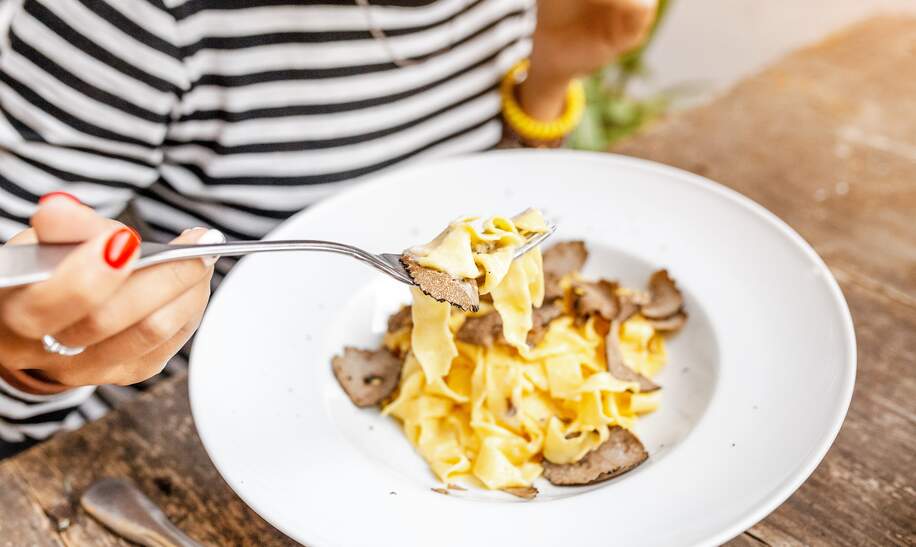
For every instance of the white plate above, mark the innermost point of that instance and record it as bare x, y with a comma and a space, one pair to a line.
755, 391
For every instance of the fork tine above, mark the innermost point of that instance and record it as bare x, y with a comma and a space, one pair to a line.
391, 263
535, 241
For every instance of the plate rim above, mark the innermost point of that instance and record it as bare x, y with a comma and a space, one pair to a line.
780, 492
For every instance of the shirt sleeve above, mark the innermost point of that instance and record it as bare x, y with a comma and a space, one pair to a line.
87, 89
26, 418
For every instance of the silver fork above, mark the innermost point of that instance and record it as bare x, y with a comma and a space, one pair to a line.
27, 264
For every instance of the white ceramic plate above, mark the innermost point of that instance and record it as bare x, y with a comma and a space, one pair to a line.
755, 391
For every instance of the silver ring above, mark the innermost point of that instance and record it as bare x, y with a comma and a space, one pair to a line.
51, 345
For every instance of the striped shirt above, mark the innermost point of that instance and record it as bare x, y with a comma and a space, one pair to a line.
232, 114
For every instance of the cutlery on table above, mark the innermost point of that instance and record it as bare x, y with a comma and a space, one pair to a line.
123, 508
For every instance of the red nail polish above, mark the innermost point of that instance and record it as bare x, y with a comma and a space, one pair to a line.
52, 195
135, 232
120, 247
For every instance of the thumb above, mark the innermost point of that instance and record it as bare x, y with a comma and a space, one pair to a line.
61, 218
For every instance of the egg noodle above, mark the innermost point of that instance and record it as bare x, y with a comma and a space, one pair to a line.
494, 412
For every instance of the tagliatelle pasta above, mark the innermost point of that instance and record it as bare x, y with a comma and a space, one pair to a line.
494, 412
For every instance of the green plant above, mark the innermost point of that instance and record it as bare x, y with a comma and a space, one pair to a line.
611, 113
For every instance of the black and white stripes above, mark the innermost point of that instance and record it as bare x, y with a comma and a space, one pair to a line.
232, 113
24, 416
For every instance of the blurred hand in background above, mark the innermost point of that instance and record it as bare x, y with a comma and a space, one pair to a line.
574, 38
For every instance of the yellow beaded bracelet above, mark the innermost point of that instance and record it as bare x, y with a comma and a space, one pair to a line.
529, 128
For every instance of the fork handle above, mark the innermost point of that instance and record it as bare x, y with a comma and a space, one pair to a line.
26, 264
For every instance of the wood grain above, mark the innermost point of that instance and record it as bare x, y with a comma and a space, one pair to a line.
153, 442
22, 521
826, 139
863, 492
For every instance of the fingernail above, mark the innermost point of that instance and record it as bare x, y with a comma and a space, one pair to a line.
192, 229
55, 195
211, 237
120, 247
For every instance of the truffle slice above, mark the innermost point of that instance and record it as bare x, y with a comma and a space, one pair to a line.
442, 286
664, 297
367, 377
540, 319
482, 330
620, 453
670, 324
402, 319
524, 492
595, 297
617, 368
486, 330
628, 306
559, 260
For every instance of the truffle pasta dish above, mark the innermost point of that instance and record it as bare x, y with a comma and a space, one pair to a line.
506, 369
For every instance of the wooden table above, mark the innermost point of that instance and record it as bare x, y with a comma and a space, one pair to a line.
826, 139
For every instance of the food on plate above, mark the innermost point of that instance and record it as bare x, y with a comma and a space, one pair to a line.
620, 453
485, 330
524, 492
544, 376
664, 298
561, 260
616, 364
671, 323
368, 377
400, 320
595, 298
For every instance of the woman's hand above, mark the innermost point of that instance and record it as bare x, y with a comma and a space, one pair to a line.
574, 38
130, 323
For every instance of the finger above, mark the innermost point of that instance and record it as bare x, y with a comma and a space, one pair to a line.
104, 363
146, 291
87, 277
61, 218
153, 362
24, 237
642, 4
20, 353
632, 24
